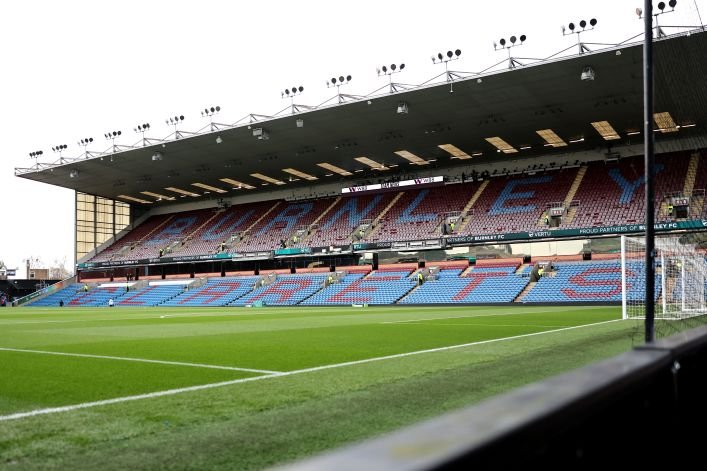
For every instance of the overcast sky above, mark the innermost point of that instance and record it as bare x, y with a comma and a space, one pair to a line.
74, 69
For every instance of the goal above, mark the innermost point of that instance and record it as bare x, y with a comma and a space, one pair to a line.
680, 276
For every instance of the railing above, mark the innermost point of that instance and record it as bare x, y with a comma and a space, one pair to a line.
556, 204
611, 412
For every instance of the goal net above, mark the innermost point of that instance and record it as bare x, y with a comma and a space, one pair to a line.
680, 276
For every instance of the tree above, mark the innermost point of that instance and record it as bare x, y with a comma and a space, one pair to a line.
58, 270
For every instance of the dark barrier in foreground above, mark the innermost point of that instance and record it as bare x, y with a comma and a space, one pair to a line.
642, 409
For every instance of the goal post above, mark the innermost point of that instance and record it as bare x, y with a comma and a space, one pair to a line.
681, 274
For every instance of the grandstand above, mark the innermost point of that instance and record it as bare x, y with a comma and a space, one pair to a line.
598, 195
432, 187
490, 281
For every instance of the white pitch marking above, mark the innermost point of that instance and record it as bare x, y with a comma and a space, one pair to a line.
492, 325
452, 317
141, 360
171, 392
508, 313
86, 405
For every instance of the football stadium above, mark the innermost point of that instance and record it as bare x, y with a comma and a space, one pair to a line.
438, 275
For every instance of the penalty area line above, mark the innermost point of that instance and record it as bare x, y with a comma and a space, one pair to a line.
171, 392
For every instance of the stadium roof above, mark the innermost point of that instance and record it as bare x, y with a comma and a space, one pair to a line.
530, 110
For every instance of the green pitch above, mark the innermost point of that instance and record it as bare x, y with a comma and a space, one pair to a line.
239, 388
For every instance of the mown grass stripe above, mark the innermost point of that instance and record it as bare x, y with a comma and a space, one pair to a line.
170, 392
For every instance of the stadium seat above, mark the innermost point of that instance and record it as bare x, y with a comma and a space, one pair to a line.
286, 290
281, 224
152, 295
216, 292
417, 215
517, 203
589, 282
345, 217
489, 284
378, 287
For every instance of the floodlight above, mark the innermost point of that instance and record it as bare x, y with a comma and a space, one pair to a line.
291, 92
587, 74
261, 134
391, 69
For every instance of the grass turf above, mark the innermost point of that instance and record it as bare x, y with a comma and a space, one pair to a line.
268, 421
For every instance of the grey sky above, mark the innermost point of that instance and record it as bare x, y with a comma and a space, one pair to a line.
76, 69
